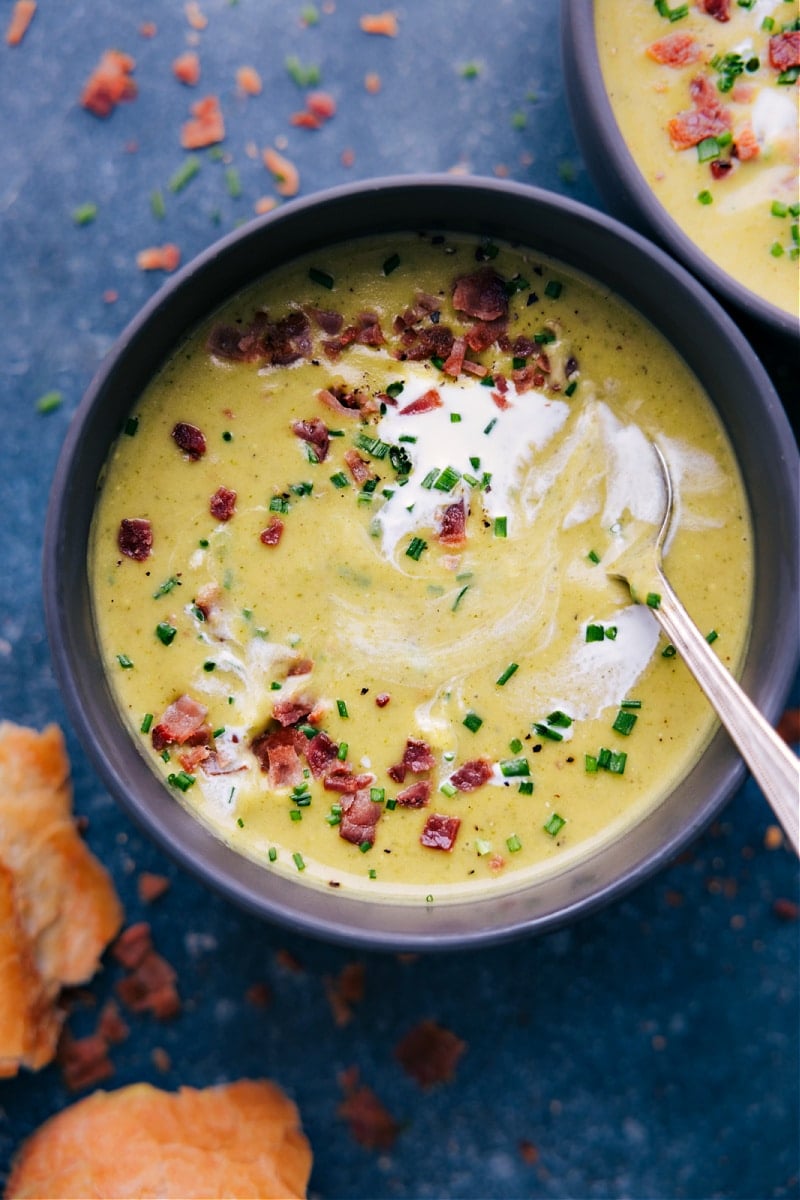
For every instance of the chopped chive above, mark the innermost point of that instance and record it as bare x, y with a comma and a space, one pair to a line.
272, 853
491, 425
554, 825
49, 402
447, 480
323, 278
624, 722
711, 636
340, 480
297, 859
342, 752
547, 731
482, 847
525, 787
501, 527
611, 632
209, 665
147, 721
571, 388
378, 794
653, 600
165, 632
705, 197
544, 337
182, 780
595, 633
513, 843
460, 596
560, 719
341, 708
617, 761
590, 764
391, 264
233, 183
415, 548
303, 76
447, 788
391, 804
707, 149
185, 174
789, 76
365, 847
669, 651
166, 586
553, 289
470, 70
630, 704
84, 214
279, 504
455, 418
131, 426
604, 758
475, 463
593, 557
503, 678
394, 389
768, 24
472, 721
157, 206
510, 768
776, 250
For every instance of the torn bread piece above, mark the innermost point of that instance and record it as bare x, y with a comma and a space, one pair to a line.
239, 1139
58, 906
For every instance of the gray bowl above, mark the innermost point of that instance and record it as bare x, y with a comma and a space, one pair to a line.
619, 180
601, 248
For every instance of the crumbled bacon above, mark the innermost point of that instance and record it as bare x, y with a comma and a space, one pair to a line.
283, 171
472, 774
273, 740
135, 538
675, 50
273, 532
453, 524
150, 985
190, 440
484, 334
784, 50
440, 832
315, 433
150, 886
110, 1024
424, 305
287, 340
455, 359
424, 403
380, 23
369, 1121
382, 699
248, 81
416, 795
345, 991
789, 725
481, 295
429, 1053
329, 322
109, 84
745, 144
417, 758
708, 118
21, 16
186, 68
358, 467
720, 167
84, 1062
360, 815
182, 723
321, 751
159, 258
720, 10
206, 126
434, 341
341, 779
132, 945
285, 768
289, 712
347, 403
193, 758
222, 504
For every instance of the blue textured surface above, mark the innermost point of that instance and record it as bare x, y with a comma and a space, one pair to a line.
649, 1051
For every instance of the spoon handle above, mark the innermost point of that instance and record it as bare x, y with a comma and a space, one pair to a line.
773, 765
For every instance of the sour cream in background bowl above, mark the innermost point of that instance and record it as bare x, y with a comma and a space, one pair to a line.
530, 221
687, 117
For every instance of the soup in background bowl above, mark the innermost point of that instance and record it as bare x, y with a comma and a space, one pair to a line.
688, 119
335, 519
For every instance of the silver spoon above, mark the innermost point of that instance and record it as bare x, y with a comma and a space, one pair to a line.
773, 765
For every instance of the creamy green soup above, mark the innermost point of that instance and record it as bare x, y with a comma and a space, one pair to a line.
705, 95
349, 567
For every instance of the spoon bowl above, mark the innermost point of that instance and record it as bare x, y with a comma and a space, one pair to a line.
773, 765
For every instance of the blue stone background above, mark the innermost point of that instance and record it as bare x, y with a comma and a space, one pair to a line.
650, 1050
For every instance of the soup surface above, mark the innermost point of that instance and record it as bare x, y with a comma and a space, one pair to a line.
705, 96
349, 567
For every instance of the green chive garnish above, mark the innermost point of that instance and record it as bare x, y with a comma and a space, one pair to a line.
501, 527
554, 824
323, 278
341, 708
165, 632
147, 721
513, 843
510, 768
84, 214
472, 721
624, 722
391, 264
185, 174
125, 662
506, 675
416, 547
49, 402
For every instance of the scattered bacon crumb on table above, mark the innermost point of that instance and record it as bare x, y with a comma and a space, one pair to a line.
284, 172
369, 1121
109, 84
186, 68
206, 127
429, 1053
21, 16
248, 81
384, 23
159, 258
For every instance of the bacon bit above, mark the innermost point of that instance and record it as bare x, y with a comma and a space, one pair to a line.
720, 167
675, 50
773, 837
84, 1062
150, 983
182, 723
186, 68
160, 1059
206, 126
344, 992
382, 699
148, 29
341, 779
370, 1122
21, 17
481, 295
285, 768
784, 50
720, 10
189, 439
132, 945
194, 16
259, 995
288, 961
743, 93
424, 403
358, 467
283, 171
304, 120
109, 84
416, 795
273, 533
321, 751
430, 1054
472, 775
785, 910
528, 1152
384, 23
248, 81
789, 725
440, 832
372, 83
315, 433
708, 118
222, 504
159, 258
110, 1025
110, 296
417, 758
347, 157
135, 538
453, 526
745, 145
321, 104
150, 886
360, 815
265, 204
455, 359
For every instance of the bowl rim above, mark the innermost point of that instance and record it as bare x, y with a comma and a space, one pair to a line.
587, 93
182, 836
